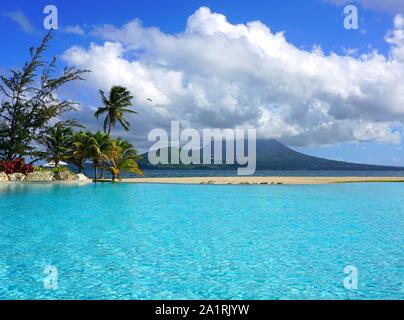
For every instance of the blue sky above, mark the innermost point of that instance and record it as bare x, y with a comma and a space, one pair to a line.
306, 23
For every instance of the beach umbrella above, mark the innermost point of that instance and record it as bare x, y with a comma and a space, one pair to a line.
52, 164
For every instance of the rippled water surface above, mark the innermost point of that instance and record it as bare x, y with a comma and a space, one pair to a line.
129, 241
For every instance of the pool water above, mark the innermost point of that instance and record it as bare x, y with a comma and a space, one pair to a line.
129, 241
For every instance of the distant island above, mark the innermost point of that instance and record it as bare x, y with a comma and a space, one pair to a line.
273, 155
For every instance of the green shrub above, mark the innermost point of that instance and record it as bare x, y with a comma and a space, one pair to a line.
61, 169
39, 169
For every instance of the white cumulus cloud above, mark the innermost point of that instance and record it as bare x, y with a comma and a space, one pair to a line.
74, 30
217, 74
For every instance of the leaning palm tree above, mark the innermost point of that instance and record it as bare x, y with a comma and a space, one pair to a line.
123, 157
115, 107
123, 144
57, 141
97, 146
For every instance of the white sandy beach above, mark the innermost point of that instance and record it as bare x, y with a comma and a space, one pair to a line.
262, 180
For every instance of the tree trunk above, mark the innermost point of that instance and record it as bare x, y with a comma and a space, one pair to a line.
95, 173
103, 170
79, 167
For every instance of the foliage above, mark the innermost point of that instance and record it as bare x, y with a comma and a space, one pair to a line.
28, 107
29, 103
40, 169
60, 169
57, 140
78, 152
123, 158
115, 107
53, 170
97, 145
16, 166
101, 150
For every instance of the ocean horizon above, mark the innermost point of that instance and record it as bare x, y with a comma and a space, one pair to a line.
89, 171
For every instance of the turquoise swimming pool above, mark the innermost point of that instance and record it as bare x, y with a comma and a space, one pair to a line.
128, 241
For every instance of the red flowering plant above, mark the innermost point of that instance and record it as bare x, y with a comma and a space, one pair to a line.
15, 166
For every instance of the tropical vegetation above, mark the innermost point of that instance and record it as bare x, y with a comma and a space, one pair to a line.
57, 140
30, 125
115, 106
15, 166
29, 103
123, 157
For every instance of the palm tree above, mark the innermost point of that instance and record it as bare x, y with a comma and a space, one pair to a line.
115, 107
104, 140
57, 141
123, 144
97, 146
123, 157
78, 152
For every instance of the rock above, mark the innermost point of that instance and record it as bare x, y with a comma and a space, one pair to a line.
81, 177
65, 176
16, 177
3, 177
39, 176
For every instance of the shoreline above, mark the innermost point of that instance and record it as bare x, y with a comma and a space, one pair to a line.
259, 180
235, 180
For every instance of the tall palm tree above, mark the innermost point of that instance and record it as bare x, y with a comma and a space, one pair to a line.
57, 141
115, 107
97, 146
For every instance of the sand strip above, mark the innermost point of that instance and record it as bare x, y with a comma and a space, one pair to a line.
263, 180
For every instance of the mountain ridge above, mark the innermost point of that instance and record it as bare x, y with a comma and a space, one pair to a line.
273, 155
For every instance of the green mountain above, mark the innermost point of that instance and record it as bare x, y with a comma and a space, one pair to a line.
273, 155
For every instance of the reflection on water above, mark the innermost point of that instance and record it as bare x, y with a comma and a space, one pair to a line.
21, 187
